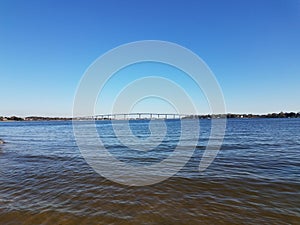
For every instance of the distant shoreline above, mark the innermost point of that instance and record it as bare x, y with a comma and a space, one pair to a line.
207, 116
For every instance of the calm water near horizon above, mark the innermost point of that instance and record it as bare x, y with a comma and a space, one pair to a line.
255, 178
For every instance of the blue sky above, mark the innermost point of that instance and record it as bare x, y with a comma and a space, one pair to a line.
251, 46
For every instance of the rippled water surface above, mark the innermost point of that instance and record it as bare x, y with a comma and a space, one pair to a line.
255, 178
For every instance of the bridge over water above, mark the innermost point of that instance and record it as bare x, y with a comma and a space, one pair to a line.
138, 116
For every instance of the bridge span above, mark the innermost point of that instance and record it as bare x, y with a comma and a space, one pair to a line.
137, 116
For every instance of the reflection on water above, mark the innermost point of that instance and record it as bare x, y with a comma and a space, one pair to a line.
255, 178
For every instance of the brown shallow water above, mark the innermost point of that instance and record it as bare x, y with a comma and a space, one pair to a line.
177, 201
44, 180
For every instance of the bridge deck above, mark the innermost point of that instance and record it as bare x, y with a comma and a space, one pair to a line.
129, 116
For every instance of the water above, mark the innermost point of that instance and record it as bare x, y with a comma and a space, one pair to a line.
255, 178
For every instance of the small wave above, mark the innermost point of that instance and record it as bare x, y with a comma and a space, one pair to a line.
41, 158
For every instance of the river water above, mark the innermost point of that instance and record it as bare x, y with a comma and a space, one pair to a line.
255, 178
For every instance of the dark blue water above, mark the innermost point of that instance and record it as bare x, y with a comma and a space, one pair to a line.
255, 178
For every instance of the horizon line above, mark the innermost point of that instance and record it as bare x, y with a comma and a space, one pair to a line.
156, 113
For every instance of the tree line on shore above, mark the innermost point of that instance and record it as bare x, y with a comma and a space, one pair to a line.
208, 116
32, 118
234, 115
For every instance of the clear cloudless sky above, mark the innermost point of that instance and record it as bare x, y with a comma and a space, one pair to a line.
252, 47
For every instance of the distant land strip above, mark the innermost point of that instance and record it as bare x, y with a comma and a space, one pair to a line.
208, 116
